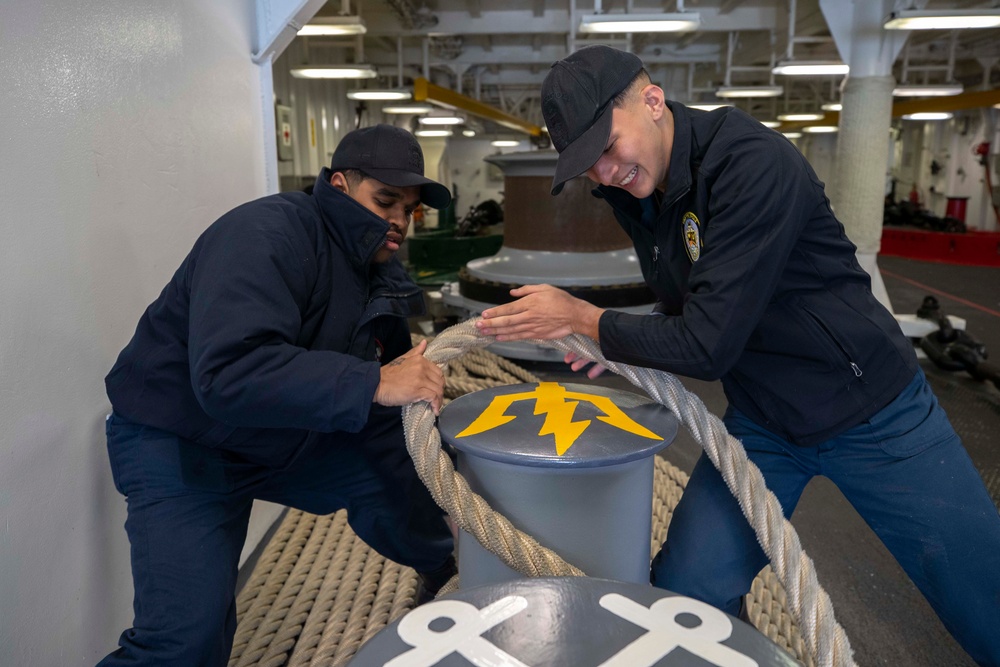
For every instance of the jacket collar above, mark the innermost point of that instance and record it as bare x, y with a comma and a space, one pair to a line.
358, 231
678, 171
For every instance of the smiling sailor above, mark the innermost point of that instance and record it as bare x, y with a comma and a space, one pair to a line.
758, 285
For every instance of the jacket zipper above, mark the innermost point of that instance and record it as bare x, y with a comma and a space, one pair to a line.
656, 248
854, 367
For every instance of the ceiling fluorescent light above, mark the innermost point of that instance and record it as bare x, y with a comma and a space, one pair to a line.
626, 23
333, 25
770, 123
407, 108
821, 129
450, 119
792, 135
707, 106
929, 115
799, 117
927, 90
468, 133
335, 72
832, 106
504, 143
811, 68
942, 19
391, 94
749, 91
433, 133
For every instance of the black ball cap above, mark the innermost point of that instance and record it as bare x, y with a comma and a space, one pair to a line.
391, 155
577, 97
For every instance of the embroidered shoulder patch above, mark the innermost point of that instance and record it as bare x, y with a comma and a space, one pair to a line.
692, 236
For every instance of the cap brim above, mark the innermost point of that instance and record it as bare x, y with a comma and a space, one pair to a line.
432, 193
582, 154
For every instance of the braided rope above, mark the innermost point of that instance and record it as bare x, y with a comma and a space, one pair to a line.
260, 629
338, 551
318, 591
808, 602
342, 566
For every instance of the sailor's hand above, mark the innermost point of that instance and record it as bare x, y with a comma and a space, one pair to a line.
578, 363
411, 378
542, 312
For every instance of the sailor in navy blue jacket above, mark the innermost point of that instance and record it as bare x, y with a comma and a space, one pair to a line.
758, 285
274, 327
770, 297
272, 366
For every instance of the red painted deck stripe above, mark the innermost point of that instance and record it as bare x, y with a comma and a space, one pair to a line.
959, 299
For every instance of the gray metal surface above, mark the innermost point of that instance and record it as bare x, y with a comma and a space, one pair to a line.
598, 519
569, 464
527, 267
568, 622
557, 425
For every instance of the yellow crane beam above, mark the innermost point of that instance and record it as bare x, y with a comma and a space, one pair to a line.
425, 91
972, 100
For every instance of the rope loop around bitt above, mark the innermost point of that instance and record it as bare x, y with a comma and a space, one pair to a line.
808, 602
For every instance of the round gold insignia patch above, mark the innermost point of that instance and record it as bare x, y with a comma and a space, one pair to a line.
692, 236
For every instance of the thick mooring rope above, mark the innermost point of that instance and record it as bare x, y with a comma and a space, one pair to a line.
808, 602
331, 602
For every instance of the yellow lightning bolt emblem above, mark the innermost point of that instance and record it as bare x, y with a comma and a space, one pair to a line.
558, 405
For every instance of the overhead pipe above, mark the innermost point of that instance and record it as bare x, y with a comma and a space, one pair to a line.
951, 55
359, 43
729, 58
399, 59
789, 55
571, 33
426, 49
924, 70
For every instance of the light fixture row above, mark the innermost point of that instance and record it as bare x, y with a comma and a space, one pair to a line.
444, 133
906, 19
942, 19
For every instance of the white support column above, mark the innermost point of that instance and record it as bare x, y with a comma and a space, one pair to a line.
858, 188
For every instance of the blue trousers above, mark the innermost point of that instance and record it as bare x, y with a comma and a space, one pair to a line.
188, 511
906, 473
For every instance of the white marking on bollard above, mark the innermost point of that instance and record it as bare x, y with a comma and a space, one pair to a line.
665, 634
463, 637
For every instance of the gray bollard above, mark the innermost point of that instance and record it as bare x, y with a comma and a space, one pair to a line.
568, 621
569, 464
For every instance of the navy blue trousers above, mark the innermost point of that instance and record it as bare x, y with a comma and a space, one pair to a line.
906, 473
188, 511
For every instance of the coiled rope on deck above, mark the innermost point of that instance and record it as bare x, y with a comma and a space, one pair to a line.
808, 602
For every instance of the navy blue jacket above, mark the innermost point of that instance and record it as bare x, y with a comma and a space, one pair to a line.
759, 284
273, 327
